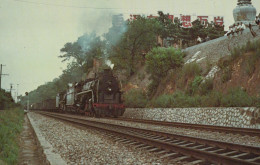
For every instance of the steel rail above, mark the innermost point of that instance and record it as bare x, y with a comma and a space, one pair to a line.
234, 130
197, 153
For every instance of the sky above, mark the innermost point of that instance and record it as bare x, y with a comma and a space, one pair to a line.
32, 32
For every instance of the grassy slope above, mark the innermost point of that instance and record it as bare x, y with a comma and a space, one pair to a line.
11, 122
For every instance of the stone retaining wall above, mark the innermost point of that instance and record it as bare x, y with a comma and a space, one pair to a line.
231, 117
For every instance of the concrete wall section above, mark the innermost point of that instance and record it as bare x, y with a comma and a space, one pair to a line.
213, 50
231, 117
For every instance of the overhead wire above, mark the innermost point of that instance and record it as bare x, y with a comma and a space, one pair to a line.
69, 6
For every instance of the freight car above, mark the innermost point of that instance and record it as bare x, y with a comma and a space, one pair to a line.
46, 105
36, 106
49, 105
99, 96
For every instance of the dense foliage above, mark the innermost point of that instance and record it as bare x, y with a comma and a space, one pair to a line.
159, 61
140, 37
135, 98
235, 97
6, 100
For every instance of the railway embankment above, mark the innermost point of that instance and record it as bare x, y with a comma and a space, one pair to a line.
244, 117
43, 146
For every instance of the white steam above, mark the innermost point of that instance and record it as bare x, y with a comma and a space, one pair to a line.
109, 63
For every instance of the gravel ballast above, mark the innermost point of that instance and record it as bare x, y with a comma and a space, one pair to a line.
230, 138
85, 146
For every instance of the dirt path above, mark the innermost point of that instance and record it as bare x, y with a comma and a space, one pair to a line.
29, 150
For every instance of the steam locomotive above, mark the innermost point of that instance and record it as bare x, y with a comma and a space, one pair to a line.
99, 96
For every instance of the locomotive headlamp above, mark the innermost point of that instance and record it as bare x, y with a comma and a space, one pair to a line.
109, 89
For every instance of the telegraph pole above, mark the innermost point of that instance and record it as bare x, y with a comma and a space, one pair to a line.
17, 85
11, 87
1, 67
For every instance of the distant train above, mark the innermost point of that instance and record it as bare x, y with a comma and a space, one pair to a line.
99, 97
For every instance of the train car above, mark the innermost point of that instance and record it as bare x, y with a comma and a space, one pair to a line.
99, 96
49, 105
36, 106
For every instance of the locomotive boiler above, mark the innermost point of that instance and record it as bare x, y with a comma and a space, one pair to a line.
99, 96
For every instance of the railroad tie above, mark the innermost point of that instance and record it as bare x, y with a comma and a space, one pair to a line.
253, 159
184, 145
231, 152
140, 145
196, 162
242, 154
168, 155
214, 151
197, 146
180, 158
153, 149
182, 142
146, 147
204, 149
161, 152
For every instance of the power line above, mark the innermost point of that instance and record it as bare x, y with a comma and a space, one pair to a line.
69, 6
96, 8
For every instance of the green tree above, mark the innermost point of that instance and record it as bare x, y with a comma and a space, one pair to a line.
83, 50
159, 61
139, 38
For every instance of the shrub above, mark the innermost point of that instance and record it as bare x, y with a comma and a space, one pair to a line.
178, 99
6, 100
152, 87
251, 62
163, 101
236, 52
191, 69
206, 86
195, 83
236, 97
227, 73
212, 99
160, 60
252, 46
258, 101
224, 62
135, 98
141, 76
250, 66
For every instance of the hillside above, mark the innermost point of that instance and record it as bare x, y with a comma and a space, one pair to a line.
204, 62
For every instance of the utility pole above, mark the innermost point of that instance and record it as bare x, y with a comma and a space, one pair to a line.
17, 85
1, 67
11, 87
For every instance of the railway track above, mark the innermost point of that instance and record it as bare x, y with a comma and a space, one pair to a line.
171, 146
241, 131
